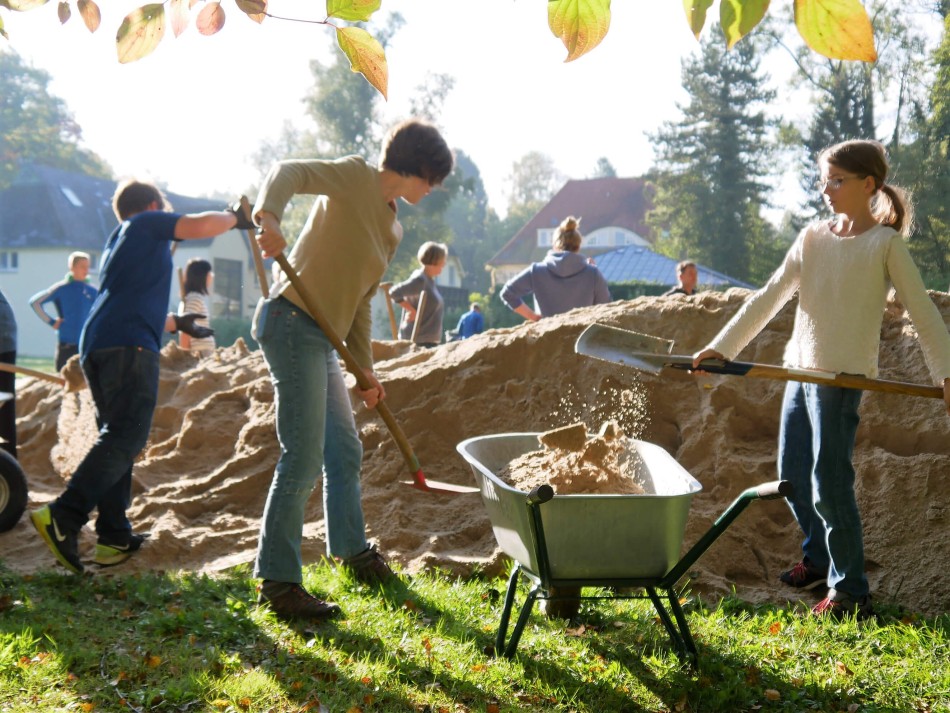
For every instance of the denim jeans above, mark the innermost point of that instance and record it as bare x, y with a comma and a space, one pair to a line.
124, 386
816, 441
317, 434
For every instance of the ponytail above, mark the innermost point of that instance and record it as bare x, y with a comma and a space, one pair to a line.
892, 206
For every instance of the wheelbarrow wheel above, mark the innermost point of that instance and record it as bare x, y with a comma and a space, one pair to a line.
564, 603
12, 491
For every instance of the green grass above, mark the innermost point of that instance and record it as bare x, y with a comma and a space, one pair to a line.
186, 642
37, 363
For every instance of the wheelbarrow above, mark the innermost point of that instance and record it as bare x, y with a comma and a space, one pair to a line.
13, 491
609, 541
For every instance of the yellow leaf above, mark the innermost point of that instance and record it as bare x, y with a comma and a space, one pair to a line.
579, 24
211, 18
254, 9
24, 5
366, 56
87, 707
352, 10
64, 12
772, 695
696, 14
739, 17
89, 12
354, 709
153, 661
140, 32
838, 29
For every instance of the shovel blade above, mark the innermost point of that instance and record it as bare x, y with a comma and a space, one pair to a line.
420, 482
622, 346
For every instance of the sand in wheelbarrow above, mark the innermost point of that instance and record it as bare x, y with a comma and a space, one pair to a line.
201, 482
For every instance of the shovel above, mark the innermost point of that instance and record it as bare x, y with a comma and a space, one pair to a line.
418, 479
652, 354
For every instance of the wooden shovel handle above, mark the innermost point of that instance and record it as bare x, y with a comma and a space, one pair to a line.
419, 312
13, 369
256, 253
394, 328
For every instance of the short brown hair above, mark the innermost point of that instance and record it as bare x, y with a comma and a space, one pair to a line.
683, 265
133, 197
431, 253
416, 148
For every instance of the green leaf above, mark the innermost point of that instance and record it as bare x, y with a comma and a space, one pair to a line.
838, 29
140, 32
366, 56
580, 24
352, 10
739, 17
696, 14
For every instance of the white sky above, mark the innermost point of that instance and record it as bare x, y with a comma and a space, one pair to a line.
191, 113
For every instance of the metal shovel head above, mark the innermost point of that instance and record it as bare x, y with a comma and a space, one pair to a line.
622, 346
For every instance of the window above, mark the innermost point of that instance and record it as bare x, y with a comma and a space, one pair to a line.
228, 286
545, 237
71, 197
9, 261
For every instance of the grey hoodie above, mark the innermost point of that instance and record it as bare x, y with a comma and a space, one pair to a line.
560, 282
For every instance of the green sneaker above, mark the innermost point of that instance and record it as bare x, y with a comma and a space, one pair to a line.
63, 544
109, 554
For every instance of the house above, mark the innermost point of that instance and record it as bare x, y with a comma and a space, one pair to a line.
612, 213
48, 214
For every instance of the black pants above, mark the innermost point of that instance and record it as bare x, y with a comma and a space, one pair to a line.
8, 408
63, 353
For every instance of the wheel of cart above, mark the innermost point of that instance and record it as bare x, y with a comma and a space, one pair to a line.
567, 542
12, 491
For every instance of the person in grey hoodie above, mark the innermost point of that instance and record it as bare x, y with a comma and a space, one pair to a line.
565, 279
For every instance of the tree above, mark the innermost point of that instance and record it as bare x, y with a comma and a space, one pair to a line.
533, 180
711, 164
604, 169
36, 127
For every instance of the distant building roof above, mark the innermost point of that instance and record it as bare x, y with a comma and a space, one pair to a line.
47, 207
634, 263
598, 202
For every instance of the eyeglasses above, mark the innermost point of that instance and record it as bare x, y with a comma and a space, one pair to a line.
834, 183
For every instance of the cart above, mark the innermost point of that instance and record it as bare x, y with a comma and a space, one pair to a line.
12, 485
609, 541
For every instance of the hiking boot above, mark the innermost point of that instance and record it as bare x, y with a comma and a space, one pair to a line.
803, 576
62, 543
369, 567
110, 553
289, 601
838, 605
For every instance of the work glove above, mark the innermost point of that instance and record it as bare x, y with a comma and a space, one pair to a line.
244, 221
186, 323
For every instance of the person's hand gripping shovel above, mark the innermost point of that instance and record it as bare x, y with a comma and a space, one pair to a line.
273, 244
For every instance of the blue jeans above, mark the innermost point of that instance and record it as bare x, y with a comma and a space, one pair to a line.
124, 386
816, 441
317, 434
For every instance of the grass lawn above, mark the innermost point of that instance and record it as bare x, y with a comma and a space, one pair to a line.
184, 642
37, 363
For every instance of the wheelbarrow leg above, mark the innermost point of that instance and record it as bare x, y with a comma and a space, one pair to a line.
506, 610
687, 638
675, 636
522, 621
508, 650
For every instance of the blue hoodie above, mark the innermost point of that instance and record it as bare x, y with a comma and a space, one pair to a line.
561, 282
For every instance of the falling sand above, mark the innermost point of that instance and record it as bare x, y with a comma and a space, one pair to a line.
200, 484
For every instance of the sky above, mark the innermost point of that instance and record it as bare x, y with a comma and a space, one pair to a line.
191, 114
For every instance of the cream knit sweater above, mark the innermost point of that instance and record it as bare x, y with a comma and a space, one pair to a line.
842, 286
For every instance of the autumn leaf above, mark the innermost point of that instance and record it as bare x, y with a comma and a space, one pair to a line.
3, 33
211, 19
579, 24
254, 9
739, 17
772, 695
837, 29
178, 16
63, 11
696, 14
366, 56
24, 5
153, 661
352, 10
89, 12
140, 32
775, 627
842, 670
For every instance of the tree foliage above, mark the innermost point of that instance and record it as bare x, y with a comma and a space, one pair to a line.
838, 29
36, 127
533, 180
710, 165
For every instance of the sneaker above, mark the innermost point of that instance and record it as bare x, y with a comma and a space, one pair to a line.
803, 576
838, 605
63, 544
369, 567
109, 554
290, 601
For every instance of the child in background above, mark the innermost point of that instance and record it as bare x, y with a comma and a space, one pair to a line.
842, 270
197, 299
408, 295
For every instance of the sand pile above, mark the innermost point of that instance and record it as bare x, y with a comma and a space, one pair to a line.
202, 480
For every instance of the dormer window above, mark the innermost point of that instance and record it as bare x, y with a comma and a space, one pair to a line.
71, 197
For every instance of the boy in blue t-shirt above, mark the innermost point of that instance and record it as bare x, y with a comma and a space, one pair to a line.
119, 352
73, 297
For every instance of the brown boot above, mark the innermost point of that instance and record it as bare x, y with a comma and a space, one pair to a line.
369, 567
290, 601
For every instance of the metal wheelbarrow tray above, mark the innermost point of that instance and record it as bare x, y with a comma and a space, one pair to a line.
597, 540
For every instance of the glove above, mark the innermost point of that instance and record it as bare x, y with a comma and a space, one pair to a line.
244, 221
186, 323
